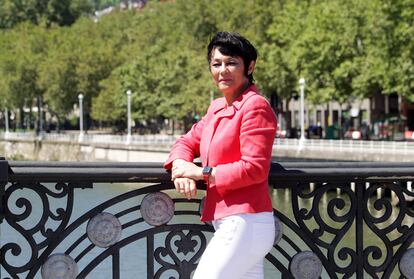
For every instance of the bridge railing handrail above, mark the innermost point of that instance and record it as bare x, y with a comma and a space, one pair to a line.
154, 172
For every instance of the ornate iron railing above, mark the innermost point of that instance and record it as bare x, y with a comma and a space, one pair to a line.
344, 220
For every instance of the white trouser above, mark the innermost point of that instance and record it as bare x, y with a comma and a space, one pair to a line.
238, 247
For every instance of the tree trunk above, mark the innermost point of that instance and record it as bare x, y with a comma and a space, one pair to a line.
30, 116
173, 126
21, 119
57, 118
287, 112
39, 116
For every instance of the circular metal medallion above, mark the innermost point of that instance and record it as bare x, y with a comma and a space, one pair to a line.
59, 266
157, 209
104, 230
306, 265
407, 263
278, 230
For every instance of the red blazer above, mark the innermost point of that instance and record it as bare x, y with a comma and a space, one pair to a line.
237, 140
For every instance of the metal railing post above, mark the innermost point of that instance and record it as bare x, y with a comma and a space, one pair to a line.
4, 177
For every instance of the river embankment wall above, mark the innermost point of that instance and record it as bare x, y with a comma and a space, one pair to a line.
75, 151
47, 150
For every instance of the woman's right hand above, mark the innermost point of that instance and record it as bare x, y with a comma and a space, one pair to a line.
186, 186
182, 168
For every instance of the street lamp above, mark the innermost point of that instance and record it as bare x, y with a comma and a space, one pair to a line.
129, 136
302, 111
81, 133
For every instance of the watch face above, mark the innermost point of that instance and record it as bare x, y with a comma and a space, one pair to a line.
207, 170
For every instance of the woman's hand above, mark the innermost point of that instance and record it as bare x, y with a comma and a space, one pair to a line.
186, 186
184, 169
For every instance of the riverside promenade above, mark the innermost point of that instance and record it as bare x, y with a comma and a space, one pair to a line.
155, 148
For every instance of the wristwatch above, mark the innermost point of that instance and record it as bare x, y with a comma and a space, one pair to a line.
206, 172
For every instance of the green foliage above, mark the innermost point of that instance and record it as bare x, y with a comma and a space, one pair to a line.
344, 49
22, 50
61, 12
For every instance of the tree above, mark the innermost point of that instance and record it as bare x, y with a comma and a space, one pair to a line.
399, 31
23, 48
57, 73
48, 12
165, 78
345, 50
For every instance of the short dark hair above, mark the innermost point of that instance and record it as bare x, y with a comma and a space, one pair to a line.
233, 44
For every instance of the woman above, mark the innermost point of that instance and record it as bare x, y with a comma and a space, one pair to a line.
234, 140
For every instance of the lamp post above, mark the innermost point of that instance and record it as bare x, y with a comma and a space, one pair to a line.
129, 136
81, 133
302, 112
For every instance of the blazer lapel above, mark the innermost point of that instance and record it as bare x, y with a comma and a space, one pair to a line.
212, 127
228, 112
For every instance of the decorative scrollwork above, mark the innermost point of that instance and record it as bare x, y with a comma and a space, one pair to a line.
329, 227
186, 243
334, 226
388, 223
19, 208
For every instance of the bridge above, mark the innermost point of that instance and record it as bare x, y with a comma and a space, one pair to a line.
345, 220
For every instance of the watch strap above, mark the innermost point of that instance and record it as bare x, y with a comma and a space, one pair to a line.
207, 170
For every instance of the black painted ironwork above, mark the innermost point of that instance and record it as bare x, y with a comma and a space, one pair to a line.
332, 203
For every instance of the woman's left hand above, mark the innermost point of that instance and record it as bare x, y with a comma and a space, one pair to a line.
186, 169
186, 186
